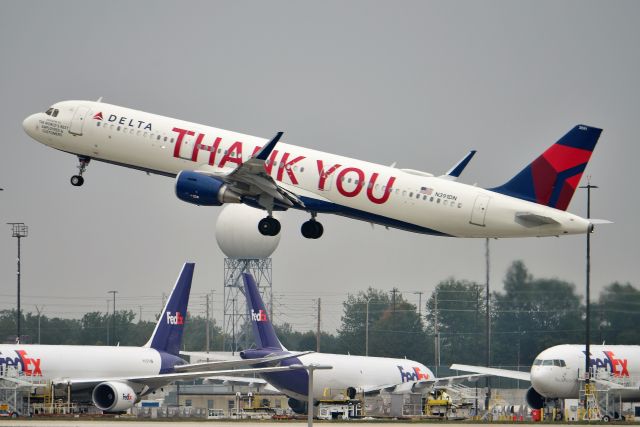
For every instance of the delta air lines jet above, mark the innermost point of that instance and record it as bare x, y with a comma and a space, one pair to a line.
213, 166
350, 374
115, 378
556, 372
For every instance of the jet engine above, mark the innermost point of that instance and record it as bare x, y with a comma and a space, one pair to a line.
534, 399
298, 406
204, 190
113, 396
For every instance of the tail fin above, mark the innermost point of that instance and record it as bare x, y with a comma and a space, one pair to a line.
167, 336
552, 178
263, 332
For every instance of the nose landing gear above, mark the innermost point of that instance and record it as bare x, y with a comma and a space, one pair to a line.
78, 180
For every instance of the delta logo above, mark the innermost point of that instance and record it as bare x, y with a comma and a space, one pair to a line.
618, 367
413, 375
176, 319
259, 316
98, 116
30, 366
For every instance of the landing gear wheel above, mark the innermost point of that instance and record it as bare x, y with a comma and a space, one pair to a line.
606, 418
312, 229
77, 180
269, 226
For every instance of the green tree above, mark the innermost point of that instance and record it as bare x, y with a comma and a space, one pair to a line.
617, 314
531, 315
461, 321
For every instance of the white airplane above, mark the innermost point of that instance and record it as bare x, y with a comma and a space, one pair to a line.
556, 371
349, 374
115, 378
215, 166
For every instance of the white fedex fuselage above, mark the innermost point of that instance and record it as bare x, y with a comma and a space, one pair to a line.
409, 200
58, 363
556, 371
363, 373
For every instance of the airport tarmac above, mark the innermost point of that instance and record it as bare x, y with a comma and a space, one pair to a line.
146, 423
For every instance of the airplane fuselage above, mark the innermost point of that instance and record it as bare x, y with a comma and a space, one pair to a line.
326, 183
58, 363
556, 371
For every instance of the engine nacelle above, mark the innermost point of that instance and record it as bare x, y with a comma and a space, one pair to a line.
113, 396
203, 190
534, 399
298, 406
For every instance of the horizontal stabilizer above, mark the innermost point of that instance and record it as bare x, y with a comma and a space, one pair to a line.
496, 372
529, 219
600, 221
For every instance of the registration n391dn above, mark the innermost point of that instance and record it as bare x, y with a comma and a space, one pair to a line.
213, 166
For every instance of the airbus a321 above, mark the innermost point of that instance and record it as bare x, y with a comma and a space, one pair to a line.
213, 166
115, 378
350, 375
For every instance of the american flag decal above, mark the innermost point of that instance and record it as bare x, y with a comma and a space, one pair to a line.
425, 190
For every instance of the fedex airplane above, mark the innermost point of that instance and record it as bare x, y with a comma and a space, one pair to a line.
352, 374
115, 378
213, 166
556, 371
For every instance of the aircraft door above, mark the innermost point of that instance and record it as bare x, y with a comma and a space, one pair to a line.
480, 210
77, 122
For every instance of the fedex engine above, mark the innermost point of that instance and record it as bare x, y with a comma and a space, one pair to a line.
203, 190
113, 396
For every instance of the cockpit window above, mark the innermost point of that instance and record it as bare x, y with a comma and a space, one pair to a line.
547, 362
55, 113
537, 362
49, 111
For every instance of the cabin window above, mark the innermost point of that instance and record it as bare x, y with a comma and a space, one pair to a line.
459, 205
424, 197
118, 129
411, 194
172, 140
98, 124
301, 168
431, 199
161, 137
438, 201
445, 203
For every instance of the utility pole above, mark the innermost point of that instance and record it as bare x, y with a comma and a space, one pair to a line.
366, 330
419, 303
140, 317
437, 332
206, 328
19, 230
115, 337
488, 323
107, 321
233, 326
587, 359
394, 291
39, 310
318, 329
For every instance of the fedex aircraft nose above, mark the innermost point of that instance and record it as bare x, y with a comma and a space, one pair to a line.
29, 125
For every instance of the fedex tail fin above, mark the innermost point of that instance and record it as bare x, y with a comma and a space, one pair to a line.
552, 178
263, 332
167, 336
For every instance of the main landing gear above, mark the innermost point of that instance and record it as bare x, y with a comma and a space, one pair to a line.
312, 229
269, 226
78, 180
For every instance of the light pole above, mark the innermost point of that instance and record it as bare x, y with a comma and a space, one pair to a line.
587, 352
366, 330
39, 310
115, 338
488, 323
19, 231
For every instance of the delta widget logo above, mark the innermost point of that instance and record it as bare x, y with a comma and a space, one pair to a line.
175, 319
259, 316
98, 116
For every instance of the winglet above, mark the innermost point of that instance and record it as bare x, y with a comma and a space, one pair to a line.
263, 332
264, 152
457, 169
167, 335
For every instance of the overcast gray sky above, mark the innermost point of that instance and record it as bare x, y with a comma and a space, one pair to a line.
417, 83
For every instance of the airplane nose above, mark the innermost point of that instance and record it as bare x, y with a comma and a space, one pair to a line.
543, 380
29, 125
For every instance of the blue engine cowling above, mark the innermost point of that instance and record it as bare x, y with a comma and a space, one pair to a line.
203, 190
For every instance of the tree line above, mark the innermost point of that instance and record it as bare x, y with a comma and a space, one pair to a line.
527, 316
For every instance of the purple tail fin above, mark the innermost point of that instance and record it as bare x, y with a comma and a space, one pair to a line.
552, 178
167, 336
263, 332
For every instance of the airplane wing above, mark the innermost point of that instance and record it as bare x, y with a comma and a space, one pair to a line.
496, 372
251, 179
155, 381
419, 386
453, 173
236, 364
